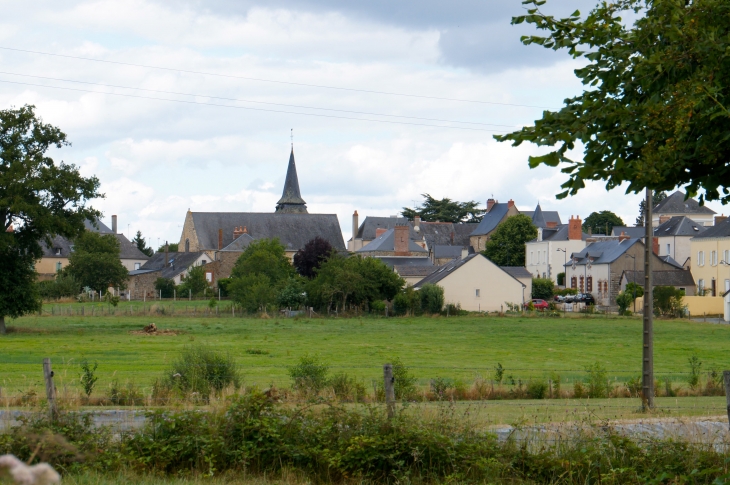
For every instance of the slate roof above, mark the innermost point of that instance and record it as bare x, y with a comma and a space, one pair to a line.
631, 231
679, 226
440, 252
392, 261
291, 199
368, 227
412, 270
127, 249
604, 252
449, 268
718, 230
491, 219
679, 277
446, 233
240, 243
675, 204
386, 242
59, 242
293, 230
670, 260
97, 226
559, 233
541, 218
517, 271
179, 262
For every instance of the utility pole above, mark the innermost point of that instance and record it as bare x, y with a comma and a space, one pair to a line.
647, 398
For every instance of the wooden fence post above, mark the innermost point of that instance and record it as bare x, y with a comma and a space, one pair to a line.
726, 380
50, 389
389, 387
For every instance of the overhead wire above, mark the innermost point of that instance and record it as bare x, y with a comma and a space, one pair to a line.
247, 78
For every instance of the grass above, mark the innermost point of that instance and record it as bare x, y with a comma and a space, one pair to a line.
458, 348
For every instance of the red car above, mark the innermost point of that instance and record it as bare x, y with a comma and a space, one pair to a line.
538, 304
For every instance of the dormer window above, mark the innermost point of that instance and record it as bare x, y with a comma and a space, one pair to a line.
58, 251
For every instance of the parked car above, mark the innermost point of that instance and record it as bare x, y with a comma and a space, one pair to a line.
559, 298
586, 298
538, 304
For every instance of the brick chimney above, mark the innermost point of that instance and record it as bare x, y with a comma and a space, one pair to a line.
720, 219
655, 245
220, 239
237, 231
380, 231
623, 236
490, 204
552, 224
510, 203
401, 240
245, 230
575, 231
417, 223
114, 224
663, 219
355, 225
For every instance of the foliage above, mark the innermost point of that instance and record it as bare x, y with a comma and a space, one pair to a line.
347, 388
166, 286
194, 283
141, 244
111, 299
656, 198
309, 374
407, 301
39, 199
654, 112
506, 246
624, 301
254, 292
498, 373
200, 370
88, 376
404, 382
668, 301
543, 288
127, 394
561, 279
694, 372
537, 389
597, 381
292, 295
637, 287
95, 262
432, 298
445, 210
259, 274
223, 286
601, 222
171, 247
61, 286
308, 259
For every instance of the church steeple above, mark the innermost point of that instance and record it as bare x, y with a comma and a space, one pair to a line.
291, 201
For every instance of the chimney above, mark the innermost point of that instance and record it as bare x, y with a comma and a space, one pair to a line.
355, 225
663, 219
220, 239
401, 240
490, 204
623, 236
237, 231
510, 203
655, 245
575, 231
245, 230
417, 223
464, 252
380, 231
167, 258
552, 224
114, 224
720, 219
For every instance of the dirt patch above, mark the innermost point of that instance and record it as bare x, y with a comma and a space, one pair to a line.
152, 330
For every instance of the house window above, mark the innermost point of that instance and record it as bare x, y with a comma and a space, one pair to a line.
538, 257
532, 257
573, 282
701, 286
589, 284
58, 251
669, 249
713, 288
137, 265
187, 245
58, 266
478, 293
208, 276
700, 258
582, 281
713, 258
725, 257
544, 257
203, 262
605, 289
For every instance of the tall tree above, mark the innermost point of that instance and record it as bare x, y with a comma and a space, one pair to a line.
656, 197
194, 283
95, 262
171, 247
308, 259
655, 113
506, 246
39, 198
259, 274
141, 244
445, 210
602, 222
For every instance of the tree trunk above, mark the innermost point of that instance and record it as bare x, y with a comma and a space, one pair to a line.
3, 330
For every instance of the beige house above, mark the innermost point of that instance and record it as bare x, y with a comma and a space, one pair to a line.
673, 238
545, 256
675, 205
477, 284
710, 259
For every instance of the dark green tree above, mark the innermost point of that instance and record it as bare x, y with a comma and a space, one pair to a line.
292, 295
601, 222
39, 198
506, 246
654, 112
543, 288
141, 244
171, 247
259, 274
95, 262
165, 287
432, 298
445, 210
656, 197
193, 283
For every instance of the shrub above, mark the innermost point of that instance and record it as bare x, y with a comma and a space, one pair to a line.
166, 286
125, 395
630, 287
223, 286
198, 372
499, 373
88, 376
597, 381
378, 306
347, 388
579, 391
432, 298
668, 301
407, 301
405, 383
292, 295
440, 386
59, 287
537, 389
310, 374
542, 288
694, 373
624, 301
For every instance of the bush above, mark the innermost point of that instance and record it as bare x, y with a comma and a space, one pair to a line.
347, 388
432, 298
597, 381
537, 389
694, 373
543, 288
630, 287
310, 374
668, 301
62, 286
292, 295
405, 383
88, 376
198, 372
166, 286
223, 286
125, 395
624, 301
407, 301
378, 306
440, 386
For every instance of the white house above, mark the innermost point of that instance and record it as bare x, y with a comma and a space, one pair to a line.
546, 255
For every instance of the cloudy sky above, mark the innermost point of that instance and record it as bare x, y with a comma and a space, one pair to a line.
387, 100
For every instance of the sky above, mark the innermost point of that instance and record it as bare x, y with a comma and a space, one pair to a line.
196, 102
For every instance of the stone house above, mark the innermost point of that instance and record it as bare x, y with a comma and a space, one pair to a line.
173, 266
497, 213
679, 278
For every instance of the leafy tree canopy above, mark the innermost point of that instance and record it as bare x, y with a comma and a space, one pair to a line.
655, 110
194, 283
141, 244
656, 197
506, 246
445, 210
171, 247
601, 222
95, 262
308, 259
543, 288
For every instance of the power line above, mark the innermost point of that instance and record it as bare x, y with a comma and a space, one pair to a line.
230, 76
251, 101
249, 108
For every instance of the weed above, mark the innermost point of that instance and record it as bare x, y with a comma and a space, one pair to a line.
597, 381
440, 385
125, 395
88, 376
537, 389
694, 372
498, 374
309, 374
347, 388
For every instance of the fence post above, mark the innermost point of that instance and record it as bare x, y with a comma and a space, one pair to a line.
389, 387
50, 389
726, 381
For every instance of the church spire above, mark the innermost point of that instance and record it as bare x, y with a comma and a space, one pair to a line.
291, 201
